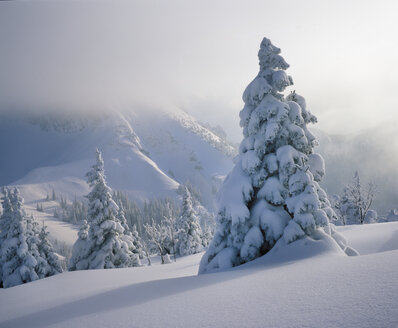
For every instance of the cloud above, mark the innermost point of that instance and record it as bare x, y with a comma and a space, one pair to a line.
63, 55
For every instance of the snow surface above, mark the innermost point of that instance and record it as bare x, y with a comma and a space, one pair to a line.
380, 237
305, 284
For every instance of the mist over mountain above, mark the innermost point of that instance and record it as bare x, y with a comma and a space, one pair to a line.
372, 152
147, 154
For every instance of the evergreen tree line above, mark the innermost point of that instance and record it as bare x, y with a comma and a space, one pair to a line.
179, 235
153, 210
108, 235
136, 215
108, 238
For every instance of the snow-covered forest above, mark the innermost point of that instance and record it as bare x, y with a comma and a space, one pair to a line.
131, 198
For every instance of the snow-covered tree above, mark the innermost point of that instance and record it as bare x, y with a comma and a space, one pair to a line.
189, 232
128, 238
137, 241
51, 265
18, 254
5, 220
39, 207
392, 215
33, 241
157, 239
353, 206
207, 235
161, 236
105, 245
371, 217
26, 254
169, 221
81, 247
272, 193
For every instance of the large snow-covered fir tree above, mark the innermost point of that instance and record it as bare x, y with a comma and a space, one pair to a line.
272, 193
104, 245
189, 232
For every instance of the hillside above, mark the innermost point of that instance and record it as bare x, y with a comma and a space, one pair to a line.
306, 284
147, 153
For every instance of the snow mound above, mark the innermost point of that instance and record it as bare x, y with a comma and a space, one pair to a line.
372, 238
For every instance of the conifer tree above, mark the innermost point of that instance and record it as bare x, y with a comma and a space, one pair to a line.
137, 241
18, 262
272, 194
32, 239
128, 238
51, 265
189, 233
105, 247
78, 260
5, 220
24, 256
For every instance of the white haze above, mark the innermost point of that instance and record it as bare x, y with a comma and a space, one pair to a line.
199, 56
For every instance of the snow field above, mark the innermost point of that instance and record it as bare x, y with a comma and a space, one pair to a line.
322, 289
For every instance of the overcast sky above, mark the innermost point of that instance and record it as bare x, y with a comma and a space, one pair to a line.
200, 55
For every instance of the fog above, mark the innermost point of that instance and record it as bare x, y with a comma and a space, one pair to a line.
199, 56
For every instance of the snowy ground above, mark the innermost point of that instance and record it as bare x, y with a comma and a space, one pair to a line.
325, 289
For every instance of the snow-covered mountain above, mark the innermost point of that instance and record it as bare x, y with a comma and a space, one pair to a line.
147, 153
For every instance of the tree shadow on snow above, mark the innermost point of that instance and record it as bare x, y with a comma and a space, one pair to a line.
126, 296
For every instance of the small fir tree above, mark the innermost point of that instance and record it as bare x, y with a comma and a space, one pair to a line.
5, 220
188, 228
169, 221
105, 245
51, 265
137, 241
128, 238
78, 260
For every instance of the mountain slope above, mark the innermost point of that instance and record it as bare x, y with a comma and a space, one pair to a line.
147, 153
